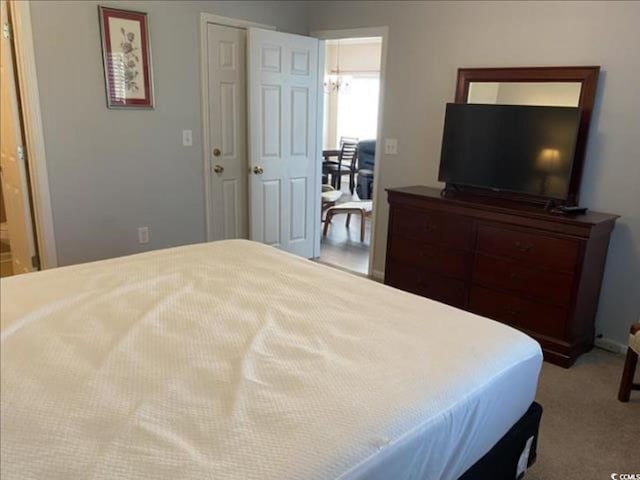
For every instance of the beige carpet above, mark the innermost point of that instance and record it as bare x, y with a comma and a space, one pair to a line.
586, 433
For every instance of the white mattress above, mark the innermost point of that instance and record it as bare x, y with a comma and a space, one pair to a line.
233, 360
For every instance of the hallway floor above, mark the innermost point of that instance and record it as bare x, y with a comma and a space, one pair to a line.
342, 246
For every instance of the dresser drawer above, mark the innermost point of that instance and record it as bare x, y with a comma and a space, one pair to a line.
518, 312
544, 285
439, 260
414, 280
453, 231
532, 248
537, 271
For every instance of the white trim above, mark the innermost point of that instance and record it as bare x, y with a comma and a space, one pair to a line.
356, 41
610, 345
232, 22
358, 73
367, 32
362, 32
317, 192
34, 135
205, 19
378, 275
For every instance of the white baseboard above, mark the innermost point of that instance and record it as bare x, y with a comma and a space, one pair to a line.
378, 275
610, 345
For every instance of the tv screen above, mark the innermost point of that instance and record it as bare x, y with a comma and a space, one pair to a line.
524, 149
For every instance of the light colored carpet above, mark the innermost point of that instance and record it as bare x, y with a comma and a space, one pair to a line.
586, 433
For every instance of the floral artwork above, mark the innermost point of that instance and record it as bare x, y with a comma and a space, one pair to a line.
127, 64
130, 60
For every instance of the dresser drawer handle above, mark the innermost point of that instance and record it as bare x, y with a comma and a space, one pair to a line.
523, 247
429, 228
517, 276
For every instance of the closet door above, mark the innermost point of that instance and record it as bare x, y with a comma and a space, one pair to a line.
226, 50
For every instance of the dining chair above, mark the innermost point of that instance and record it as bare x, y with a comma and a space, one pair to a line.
347, 165
344, 140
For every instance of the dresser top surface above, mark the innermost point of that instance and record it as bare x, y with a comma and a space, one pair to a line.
502, 206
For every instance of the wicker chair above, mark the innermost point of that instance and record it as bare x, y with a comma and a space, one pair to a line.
329, 198
362, 208
626, 384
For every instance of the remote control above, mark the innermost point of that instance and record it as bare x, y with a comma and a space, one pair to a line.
573, 209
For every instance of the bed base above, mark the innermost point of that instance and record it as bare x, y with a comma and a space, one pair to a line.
501, 462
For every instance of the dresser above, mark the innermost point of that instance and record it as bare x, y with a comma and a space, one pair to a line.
512, 262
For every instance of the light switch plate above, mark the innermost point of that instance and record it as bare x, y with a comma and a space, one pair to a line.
391, 146
143, 234
187, 138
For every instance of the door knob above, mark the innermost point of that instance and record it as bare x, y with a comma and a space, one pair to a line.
258, 170
216, 152
218, 169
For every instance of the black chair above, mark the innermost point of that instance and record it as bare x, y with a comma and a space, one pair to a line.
344, 140
366, 161
364, 187
347, 165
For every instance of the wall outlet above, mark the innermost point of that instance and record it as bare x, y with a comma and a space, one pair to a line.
391, 146
143, 234
187, 138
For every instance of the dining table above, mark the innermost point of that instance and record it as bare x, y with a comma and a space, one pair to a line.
330, 153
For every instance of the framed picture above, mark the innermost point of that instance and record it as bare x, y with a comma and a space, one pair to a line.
127, 58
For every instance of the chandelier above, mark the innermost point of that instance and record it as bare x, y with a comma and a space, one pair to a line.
336, 81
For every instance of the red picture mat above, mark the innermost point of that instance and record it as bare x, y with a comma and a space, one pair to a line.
112, 77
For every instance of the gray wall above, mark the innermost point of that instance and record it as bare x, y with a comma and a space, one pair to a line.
111, 171
429, 41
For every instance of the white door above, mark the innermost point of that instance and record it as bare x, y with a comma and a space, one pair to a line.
226, 52
15, 185
283, 161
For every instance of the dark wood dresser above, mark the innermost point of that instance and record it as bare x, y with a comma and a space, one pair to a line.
512, 262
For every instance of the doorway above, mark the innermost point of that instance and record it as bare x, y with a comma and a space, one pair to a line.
260, 93
352, 92
18, 253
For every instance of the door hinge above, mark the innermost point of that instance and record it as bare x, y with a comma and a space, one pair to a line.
35, 261
21, 155
6, 30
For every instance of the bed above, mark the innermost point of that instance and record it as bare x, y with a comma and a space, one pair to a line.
234, 360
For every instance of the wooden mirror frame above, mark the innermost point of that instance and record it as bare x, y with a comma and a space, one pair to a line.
587, 76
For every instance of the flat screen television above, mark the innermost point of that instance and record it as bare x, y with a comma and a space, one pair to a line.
510, 148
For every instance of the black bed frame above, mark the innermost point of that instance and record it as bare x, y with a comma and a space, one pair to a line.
501, 462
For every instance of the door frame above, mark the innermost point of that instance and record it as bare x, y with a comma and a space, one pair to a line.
382, 31
206, 19
27, 78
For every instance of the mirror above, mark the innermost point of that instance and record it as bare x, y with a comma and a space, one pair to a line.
541, 86
550, 94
